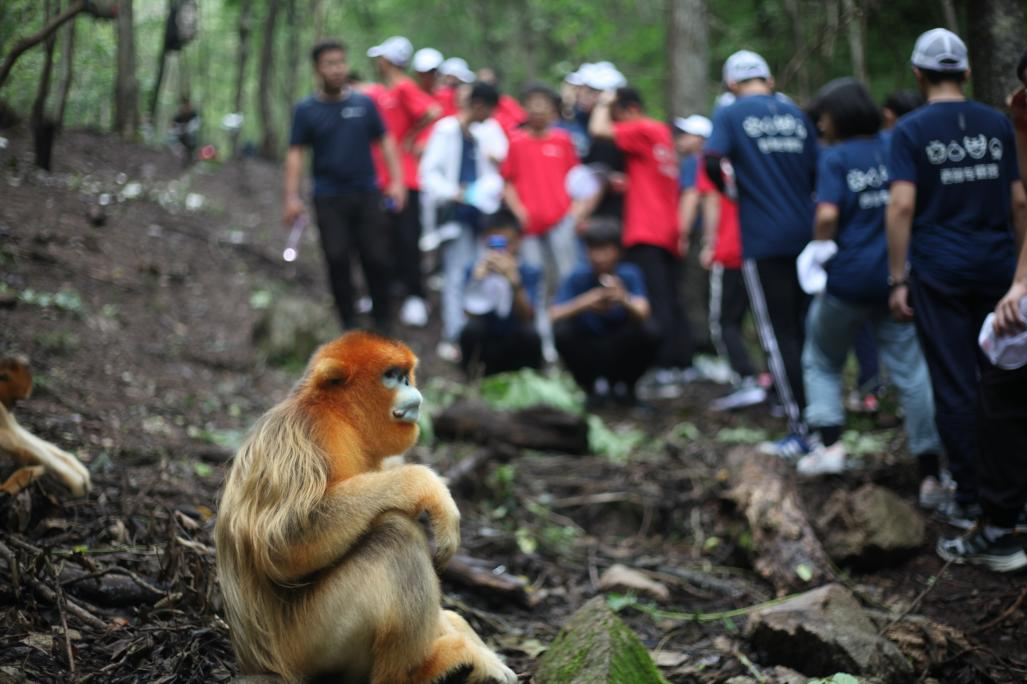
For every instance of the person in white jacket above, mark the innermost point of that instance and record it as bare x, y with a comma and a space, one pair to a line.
460, 181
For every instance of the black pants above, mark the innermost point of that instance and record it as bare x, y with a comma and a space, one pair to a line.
619, 355
728, 304
947, 323
482, 348
662, 273
1002, 464
407, 235
779, 306
356, 223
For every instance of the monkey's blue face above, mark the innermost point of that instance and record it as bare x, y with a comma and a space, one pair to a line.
406, 404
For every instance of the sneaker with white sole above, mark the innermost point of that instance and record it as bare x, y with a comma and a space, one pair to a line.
933, 494
414, 312
790, 448
747, 393
953, 513
1003, 554
823, 461
1021, 522
660, 383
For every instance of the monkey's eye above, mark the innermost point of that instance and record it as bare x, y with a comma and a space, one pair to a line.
395, 377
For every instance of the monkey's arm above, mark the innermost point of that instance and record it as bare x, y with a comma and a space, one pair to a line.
351, 506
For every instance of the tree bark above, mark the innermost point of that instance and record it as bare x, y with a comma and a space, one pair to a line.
269, 141
43, 128
242, 58
38, 37
688, 57
995, 40
318, 12
292, 53
855, 20
126, 95
949, 8
162, 61
67, 70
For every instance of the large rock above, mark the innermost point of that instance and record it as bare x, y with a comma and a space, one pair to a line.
869, 527
825, 631
291, 328
596, 647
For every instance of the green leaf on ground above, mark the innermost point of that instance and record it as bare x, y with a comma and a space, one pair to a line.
741, 435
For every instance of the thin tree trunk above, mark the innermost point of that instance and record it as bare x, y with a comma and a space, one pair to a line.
855, 21
67, 69
269, 142
126, 97
38, 37
245, 24
796, 18
949, 8
43, 128
292, 52
161, 63
320, 17
995, 40
688, 57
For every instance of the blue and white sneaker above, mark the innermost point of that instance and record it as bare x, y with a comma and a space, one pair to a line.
792, 447
1004, 554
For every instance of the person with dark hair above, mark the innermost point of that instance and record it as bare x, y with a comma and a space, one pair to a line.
340, 125
406, 109
509, 113
459, 172
898, 104
601, 319
852, 193
956, 212
773, 151
652, 233
500, 298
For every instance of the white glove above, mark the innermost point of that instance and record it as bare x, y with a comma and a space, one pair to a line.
810, 265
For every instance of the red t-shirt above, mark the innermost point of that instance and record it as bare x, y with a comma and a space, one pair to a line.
651, 201
509, 114
376, 91
446, 97
537, 168
728, 250
402, 106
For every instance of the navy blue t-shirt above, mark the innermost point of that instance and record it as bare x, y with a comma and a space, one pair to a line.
853, 176
465, 213
531, 281
340, 135
773, 149
962, 158
583, 279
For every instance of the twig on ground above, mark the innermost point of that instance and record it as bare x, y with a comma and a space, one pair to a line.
916, 602
62, 609
1005, 613
50, 596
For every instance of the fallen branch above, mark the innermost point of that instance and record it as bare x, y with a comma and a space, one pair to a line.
482, 575
48, 594
1006, 613
542, 427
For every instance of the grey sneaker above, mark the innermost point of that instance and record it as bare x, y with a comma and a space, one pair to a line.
747, 393
933, 494
958, 515
1004, 554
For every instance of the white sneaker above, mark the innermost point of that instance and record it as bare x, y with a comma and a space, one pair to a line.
933, 493
823, 461
447, 351
364, 305
414, 312
660, 383
747, 393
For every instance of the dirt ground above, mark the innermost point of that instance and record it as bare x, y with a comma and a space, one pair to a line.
139, 332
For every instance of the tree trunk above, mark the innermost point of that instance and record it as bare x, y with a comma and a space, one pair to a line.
995, 39
269, 142
855, 20
949, 8
688, 57
38, 37
317, 11
126, 100
43, 128
292, 53
542, 428
162, 60
242, 58
67, 69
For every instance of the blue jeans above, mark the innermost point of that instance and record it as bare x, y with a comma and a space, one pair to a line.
831, 326
457, 255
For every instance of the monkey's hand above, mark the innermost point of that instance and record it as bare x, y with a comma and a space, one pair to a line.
442, 511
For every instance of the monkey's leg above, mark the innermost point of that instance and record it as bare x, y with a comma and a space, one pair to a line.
30, 449
21, 478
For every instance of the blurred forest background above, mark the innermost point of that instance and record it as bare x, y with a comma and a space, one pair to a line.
250, 56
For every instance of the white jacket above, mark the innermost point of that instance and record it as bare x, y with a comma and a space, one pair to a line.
439, 170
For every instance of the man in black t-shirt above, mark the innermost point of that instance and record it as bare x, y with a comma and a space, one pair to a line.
339, 125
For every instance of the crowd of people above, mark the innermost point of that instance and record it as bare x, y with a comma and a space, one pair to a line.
558, 226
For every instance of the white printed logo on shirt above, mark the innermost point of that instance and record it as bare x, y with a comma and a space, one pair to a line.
976, 146
868, 185
938, 152
779, 133
995, 147
352, 112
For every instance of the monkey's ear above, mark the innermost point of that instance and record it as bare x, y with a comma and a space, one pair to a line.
329, 373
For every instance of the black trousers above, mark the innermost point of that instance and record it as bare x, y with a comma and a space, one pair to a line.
662, 273
728, 305
1002, 463
619, 355
482, 349
779, 307
356, 223
947, 322
407, 235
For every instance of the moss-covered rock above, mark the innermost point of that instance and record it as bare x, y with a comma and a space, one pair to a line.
596, 647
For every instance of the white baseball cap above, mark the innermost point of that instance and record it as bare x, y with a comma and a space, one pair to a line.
575, 78
457, 67
396, 49
940, 50
602, 76
695, 125
427, 59
744, 65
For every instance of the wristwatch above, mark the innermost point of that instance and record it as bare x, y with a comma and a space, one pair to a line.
894, 283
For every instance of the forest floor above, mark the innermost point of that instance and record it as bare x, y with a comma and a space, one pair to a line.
139, 332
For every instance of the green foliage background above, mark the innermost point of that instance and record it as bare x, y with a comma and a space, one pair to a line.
530, 39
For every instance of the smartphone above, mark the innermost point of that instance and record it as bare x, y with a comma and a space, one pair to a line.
497, 243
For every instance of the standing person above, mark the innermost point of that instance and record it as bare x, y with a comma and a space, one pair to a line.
957, 211
852, 193
773, 151
406, 109
454, 72
690, 134
460, 175
897, 105
339, 125
652, 233
509, 113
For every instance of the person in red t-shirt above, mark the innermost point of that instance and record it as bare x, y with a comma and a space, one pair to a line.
721, 253
652, 232
406, 109
509, 114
